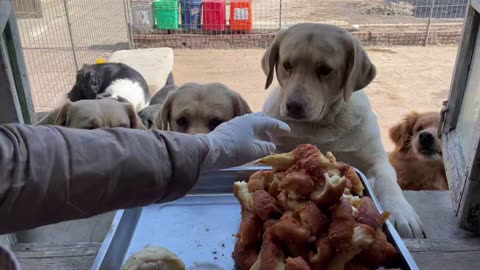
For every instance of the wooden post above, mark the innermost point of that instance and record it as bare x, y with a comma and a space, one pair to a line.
14, 88
16, 104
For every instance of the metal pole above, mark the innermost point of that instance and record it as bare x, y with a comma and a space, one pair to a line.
280, 17
126, 6
70, 34
427, 33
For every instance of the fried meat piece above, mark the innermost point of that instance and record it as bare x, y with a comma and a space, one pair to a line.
271, 256
342, 226
289, 204
314, 162
363, 237
264, 204
298, 185
323, 254
331, 192
260, 180
312, 218
250, 228
293, 236
379, 253
245, 255
355, 265
367, 212
297, 263
350, 173
240, 190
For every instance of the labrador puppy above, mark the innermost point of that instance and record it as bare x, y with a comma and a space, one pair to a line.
199, 108
321, 71
162, 94
148, 115
91, 114
417, 157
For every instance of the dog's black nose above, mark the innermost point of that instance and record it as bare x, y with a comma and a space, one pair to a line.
296, 108
426, 138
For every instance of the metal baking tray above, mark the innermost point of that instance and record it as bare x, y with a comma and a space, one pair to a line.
200, 227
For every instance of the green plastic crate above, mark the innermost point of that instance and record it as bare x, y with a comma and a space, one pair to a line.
166, 14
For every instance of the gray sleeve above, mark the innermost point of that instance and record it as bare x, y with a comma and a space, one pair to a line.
51, 174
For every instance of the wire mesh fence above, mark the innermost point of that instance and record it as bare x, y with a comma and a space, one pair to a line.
59, 36
253, 23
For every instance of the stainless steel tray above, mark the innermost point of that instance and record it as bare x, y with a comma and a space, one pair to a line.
200, 227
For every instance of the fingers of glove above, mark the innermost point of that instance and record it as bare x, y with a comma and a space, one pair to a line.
262, 148
269, 125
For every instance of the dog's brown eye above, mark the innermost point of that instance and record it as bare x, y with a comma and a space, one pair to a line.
419, 128
324, 70
214, 123
182, 121
287, 65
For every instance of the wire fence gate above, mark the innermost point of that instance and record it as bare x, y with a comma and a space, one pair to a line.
59, 36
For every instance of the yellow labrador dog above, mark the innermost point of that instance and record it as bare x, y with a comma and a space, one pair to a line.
321, 71
94, 113
199, 108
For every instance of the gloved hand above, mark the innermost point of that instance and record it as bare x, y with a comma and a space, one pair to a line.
241, 140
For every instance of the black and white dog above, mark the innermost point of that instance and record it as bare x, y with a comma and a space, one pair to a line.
115, 80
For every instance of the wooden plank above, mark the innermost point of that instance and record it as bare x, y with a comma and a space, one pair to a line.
455, 167
475, 4
19, 70
442, 245
9, 106
462, 67
445, 254
5, 10
8, 240
55, 256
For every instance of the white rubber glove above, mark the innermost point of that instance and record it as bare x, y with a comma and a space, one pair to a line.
241, 140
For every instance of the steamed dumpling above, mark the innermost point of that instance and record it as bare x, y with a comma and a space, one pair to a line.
154, 258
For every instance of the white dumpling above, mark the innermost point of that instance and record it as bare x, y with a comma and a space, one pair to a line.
154, 258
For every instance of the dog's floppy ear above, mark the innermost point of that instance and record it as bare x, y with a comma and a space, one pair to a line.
240, 105
270, 57
135, 121
58, 116
163, 117
401, 133
360, 70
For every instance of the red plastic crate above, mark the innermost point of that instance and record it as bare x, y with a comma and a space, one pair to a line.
213, 15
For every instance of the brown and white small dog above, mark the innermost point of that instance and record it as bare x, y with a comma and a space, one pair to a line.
417, 158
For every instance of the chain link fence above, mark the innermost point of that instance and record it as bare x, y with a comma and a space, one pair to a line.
59, 36
253, 23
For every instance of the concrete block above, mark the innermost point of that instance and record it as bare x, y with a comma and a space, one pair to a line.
437, 214
154, 64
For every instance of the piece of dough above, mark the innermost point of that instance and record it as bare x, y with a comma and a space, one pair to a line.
154, 258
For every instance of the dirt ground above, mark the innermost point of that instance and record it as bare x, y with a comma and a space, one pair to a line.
409, 78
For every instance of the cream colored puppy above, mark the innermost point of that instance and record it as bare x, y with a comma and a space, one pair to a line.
94, 113
199, 108
321, 71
